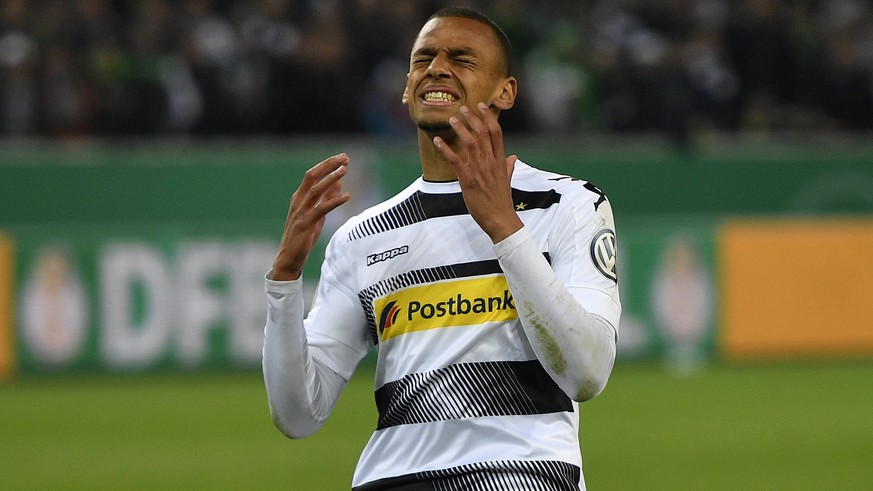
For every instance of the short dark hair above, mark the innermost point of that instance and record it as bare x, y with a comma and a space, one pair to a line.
473, 14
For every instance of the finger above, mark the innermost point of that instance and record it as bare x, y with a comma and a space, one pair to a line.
320, 178
451, 157
322, 169
332, 163
329, 181
495, 132
467, 138
334, 189
326, 206
479, 130
510, 164
461, 130
325, 196
333, 197
482, 138
444, 149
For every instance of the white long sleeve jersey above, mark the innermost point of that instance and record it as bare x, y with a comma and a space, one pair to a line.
483, 349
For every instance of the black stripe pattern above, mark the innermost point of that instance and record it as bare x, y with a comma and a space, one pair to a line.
420, 206
419, 277
513, 475
405, 213
470, 390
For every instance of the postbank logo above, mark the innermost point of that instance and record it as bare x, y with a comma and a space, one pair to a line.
448, 304
389, 316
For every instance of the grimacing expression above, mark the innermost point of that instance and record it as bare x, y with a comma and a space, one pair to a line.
455, 61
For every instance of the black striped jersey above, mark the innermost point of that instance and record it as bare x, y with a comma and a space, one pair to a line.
463, 402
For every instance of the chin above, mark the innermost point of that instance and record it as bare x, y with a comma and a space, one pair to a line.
434, 126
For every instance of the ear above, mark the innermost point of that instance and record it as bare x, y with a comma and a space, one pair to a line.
506, 97
405, 98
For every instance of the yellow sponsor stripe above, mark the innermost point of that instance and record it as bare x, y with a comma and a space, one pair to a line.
445, 304
7, 333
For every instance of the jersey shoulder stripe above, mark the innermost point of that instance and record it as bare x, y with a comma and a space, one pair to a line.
421, 206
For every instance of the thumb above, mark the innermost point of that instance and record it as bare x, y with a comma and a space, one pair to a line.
510, 163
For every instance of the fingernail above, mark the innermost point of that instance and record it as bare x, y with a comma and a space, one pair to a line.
453, 120
483, 106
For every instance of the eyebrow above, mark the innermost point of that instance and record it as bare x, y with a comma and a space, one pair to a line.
429, 51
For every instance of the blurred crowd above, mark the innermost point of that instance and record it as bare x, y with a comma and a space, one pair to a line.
213, 67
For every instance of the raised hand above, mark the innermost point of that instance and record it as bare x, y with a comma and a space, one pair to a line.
319, 193
485, 172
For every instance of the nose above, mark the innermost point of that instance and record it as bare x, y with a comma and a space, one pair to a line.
438, 66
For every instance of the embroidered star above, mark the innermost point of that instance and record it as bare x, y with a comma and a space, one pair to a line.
521, 206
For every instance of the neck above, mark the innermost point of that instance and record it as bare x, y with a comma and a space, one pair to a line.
434, 166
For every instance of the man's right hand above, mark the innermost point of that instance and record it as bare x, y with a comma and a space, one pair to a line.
319, 193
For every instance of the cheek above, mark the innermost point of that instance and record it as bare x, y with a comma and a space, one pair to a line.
409, 88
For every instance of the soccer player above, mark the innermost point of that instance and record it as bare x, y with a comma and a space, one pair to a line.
487, 287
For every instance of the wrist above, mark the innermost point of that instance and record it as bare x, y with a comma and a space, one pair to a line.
284, 273
504, 229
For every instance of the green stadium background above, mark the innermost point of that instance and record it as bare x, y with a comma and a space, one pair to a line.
142, 257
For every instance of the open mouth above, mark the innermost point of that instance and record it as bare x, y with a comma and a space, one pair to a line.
439, 96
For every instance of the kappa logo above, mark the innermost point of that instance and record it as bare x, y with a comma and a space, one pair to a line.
386, 255
603, 253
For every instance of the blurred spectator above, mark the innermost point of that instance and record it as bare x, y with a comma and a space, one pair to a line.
557, 81
220, 67
759, 46
18, 76
383, 32
848, 94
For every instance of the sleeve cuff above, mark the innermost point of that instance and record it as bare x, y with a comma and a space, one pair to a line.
510, 243
282, 287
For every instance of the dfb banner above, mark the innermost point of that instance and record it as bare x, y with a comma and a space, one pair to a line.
125, 298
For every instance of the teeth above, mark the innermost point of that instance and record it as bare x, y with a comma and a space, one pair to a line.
439, 97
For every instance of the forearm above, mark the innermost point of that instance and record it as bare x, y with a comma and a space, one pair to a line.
576, 347
301, 391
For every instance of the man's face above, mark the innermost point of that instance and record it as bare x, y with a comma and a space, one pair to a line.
455, 62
